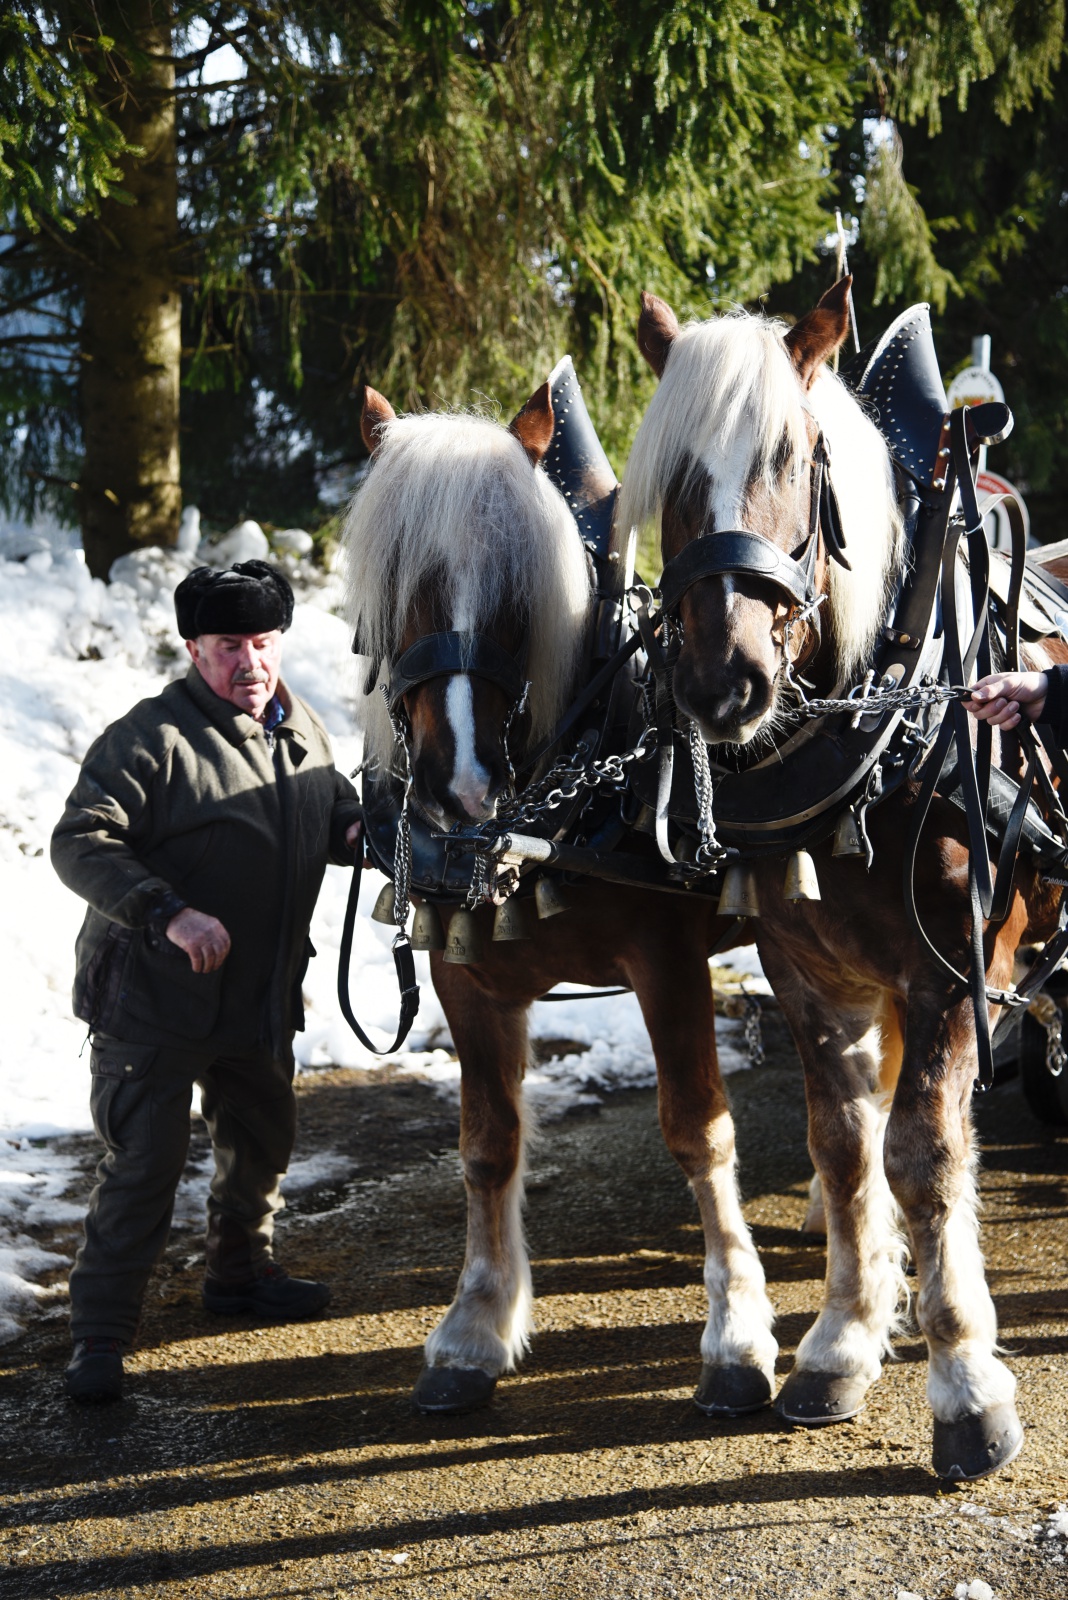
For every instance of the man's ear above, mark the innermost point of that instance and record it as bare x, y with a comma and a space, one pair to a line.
376, 412
533, 426
658, 328
817, 336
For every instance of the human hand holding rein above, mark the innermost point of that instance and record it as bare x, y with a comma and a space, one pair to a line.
1004, 697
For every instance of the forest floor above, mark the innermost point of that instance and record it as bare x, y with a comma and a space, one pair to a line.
279, 1462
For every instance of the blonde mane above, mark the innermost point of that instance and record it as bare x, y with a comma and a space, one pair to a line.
452, 501
729, 389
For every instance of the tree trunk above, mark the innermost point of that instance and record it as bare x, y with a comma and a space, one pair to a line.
131, 333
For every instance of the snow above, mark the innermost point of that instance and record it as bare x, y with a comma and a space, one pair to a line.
976, 1590
246, 541
78, 654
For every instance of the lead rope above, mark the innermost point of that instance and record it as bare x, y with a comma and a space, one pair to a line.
403, 957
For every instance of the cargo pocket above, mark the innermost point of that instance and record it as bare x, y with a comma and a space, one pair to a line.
119, 1113
160, 987
128, 1062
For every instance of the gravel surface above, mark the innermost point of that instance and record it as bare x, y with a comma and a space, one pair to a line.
287, 1461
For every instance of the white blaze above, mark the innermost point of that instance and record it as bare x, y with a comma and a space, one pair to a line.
470, 780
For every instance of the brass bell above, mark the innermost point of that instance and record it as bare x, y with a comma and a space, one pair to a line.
464, 945
427, 931
738, 897
512, 920
801, 880
646, 821
549, 898
847, 839
385, 906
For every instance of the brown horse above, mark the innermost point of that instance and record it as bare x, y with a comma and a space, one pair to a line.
887, 1038
457, 528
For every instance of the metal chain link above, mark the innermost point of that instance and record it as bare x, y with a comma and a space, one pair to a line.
883, 700
1047, 1013
754, 1037
563, 783
402, 848
709, 848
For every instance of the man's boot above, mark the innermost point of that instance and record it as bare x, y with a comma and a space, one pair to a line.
94, 1375
272, 1295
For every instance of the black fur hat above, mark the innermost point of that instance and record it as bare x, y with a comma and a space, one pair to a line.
249, 597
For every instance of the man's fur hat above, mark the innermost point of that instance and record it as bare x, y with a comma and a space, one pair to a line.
249, 597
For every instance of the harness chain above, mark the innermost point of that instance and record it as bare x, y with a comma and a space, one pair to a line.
709, 847
568, 776
1048, 1014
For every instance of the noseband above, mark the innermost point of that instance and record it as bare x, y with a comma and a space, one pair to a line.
741, 550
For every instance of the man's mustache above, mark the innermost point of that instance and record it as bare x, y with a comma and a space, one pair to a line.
253, 675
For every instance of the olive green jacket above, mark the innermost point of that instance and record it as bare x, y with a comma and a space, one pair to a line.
186, 800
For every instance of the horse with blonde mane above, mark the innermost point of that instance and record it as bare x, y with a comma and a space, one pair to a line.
731, 456
457, 532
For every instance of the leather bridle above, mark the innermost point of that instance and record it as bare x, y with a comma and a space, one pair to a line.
449, 654
444, 655
741, 550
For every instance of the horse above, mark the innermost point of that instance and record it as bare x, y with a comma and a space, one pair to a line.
745, 418
458, 530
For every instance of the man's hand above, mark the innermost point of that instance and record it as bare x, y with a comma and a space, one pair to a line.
203, 938
1004, 697
352, 833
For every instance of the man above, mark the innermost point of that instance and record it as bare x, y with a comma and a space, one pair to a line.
199, 831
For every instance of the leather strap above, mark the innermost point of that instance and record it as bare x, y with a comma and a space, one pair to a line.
735, 550
440, 655
582, 702
403, 960
989, 900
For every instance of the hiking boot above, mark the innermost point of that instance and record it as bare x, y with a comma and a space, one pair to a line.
94, 1376
273, 1295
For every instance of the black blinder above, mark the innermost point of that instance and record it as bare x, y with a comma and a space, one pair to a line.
736, 550
442, 655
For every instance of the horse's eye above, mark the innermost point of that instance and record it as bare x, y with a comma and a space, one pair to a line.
782, 460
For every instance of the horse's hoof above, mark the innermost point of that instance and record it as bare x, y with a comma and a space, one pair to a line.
977, 1445
816, 1399
453, 1389
731, 1391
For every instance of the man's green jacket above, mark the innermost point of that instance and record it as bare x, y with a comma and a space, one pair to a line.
187, 800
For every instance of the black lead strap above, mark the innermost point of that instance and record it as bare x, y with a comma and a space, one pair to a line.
989, 898
403, 960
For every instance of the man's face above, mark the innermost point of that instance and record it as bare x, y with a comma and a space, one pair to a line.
240, 667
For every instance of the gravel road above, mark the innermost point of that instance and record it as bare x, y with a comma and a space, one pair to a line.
287, 1462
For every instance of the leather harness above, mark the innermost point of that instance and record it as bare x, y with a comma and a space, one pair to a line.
793, 795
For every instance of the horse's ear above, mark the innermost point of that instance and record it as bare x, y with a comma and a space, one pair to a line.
658, 328
533, 426
376, 412
818, 335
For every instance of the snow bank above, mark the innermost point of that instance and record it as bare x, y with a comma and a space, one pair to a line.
78, 653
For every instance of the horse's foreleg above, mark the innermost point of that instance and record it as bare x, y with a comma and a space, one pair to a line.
891, 1045
737, 1347
841, 1354
487, 1327
930, 1162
